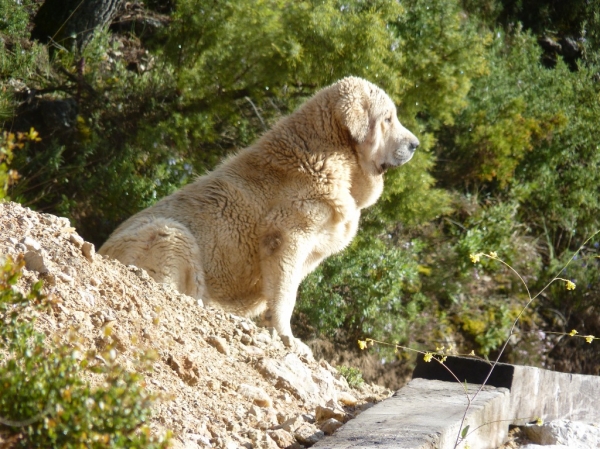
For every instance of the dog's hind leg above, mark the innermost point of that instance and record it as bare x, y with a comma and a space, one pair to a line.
165, 249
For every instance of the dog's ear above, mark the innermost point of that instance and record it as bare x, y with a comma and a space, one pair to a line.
353, 107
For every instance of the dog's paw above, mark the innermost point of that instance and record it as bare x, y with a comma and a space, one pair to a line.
298, 347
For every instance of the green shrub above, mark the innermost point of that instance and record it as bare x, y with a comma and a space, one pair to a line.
14, 17
45, 401
352, 375
9, 142
372, 289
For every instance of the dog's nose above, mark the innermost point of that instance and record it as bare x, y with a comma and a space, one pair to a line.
413, 144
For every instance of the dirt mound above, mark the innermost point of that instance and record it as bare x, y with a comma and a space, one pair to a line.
229, 383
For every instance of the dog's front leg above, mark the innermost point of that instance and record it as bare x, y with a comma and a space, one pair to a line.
282, 258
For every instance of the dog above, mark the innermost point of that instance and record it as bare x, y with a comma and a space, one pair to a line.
243, 236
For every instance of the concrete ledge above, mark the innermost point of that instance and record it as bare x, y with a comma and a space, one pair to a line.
426, 413
535, 392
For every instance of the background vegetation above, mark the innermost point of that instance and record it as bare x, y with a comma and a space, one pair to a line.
503, 94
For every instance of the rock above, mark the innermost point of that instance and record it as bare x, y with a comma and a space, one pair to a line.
299, 347
76, 240
139, 272
283, 438
247, 328
246, 339
199, 439
262, 440
34, 261
94, 281
88, 297
339, 381
308, 434
293, 423
346, 399
31, 244
88, 251
575, 435
292, 375
253, 351
266, 418
69, 271
229, 444
256, 395
270, 419
273, 333
65, 278
308, 417
329, 411
185, 368
285, 397
262, 337
214, 384
63, 222
219, 344
331, 425
325, 383
256, 412
23, 221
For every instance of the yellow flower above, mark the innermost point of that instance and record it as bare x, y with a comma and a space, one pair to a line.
570, 285
362, 344
443, 359
494, 255
475, 257
539, 422
573, 333
589, 338
472, 353
33, 135
428, 356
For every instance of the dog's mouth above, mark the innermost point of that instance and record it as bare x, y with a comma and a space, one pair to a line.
384, 167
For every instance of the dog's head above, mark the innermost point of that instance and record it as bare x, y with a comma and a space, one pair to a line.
370, 117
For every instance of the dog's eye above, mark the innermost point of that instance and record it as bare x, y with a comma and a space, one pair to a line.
388, 119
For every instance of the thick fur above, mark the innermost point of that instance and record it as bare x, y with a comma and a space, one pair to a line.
245, 235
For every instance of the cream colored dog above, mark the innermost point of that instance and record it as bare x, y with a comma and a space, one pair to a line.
245, 235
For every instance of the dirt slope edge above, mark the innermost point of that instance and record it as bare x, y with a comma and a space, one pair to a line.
230, 383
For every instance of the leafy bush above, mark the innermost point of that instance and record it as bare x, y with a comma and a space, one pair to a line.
9, 142
371, 289
14, 17
352, 375
45, 401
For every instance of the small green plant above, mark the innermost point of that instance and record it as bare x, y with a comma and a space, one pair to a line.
45, 400
352, 375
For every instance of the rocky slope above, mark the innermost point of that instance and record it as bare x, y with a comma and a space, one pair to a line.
230, 383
